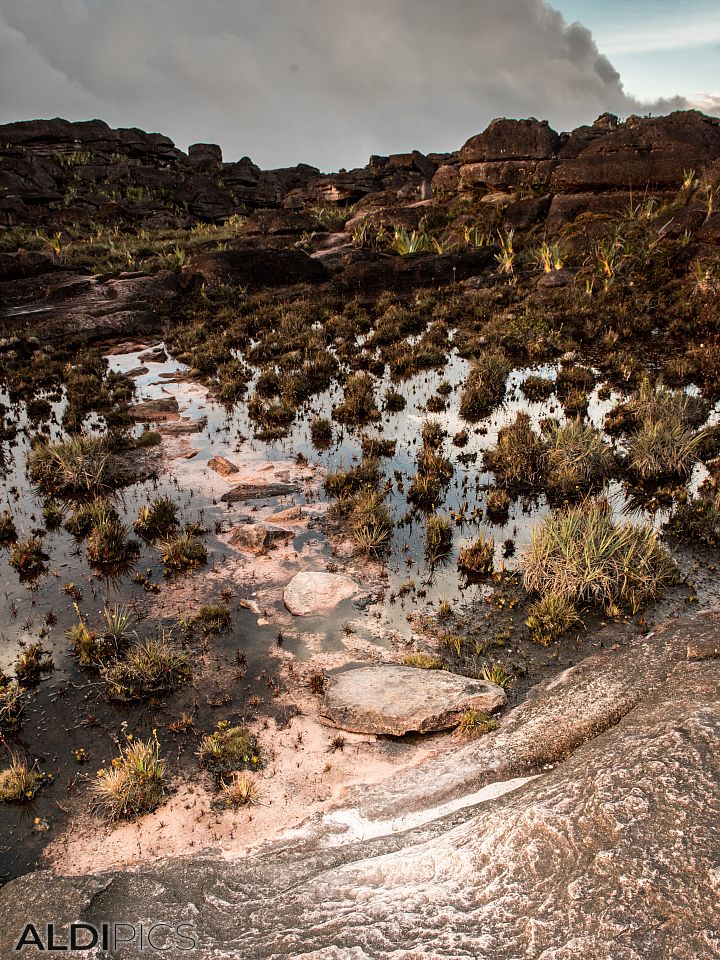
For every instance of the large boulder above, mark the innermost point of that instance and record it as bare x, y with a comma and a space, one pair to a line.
643, 151
314, 593
512, 140
255, 268
395, 700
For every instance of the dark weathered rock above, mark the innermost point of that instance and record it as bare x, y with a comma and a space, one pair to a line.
371, 274
153, 411
643, 151
395, 700
257, 491
205, 156
255, 268
512, 140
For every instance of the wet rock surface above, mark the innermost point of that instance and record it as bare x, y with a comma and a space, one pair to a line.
610, 851
313, 593
397, 700
257, 491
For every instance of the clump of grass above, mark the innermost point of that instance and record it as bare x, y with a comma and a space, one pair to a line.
537, 388
423, 661
28, 558
394, 400
517, 458
358, 403
577, 458
8, 531
497, 502
19, 782
213, 619
370, 521
242, 791
582, 554
321, 431
157, 519
494, 673
182, 552
346, 483
96, 648
11, 704
663, 449
377, 446
78, 467
31, 663
88, 515
485, 386
438, 537
475, 723
550, 617
134, 784
109, 545
150, 667
228, 749
53, 515
478, 557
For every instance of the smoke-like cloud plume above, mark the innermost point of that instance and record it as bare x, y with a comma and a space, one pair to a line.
321, 81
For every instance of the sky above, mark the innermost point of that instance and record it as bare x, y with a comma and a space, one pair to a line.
329, 82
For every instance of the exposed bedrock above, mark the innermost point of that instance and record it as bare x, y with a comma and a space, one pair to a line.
585, 827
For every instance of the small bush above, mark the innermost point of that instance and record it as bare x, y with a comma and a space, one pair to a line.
370, 522
79, 467
28, 558
517, 458
582, 554
321, 431
109, 545
485, 386
157, 519
358, 403
150, 667
438, 537
31, 663
182, 552
19, 783
213, 619
478, 557
475, 723
577, 458
8, 532
423, 661
663, 450
229, 749
242, 791
134, 784
88, 515
11, 704
550, 617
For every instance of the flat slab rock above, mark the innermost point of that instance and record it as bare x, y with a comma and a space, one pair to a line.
314, 593
257, 491
396, 700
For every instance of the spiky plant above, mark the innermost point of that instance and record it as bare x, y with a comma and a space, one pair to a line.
134, 783
438, 537
584, 555
550, 617
478, 557
157, 519
577, 458
150, 667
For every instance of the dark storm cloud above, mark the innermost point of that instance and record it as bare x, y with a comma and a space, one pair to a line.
322, 81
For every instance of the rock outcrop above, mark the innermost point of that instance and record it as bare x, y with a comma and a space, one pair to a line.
585, 827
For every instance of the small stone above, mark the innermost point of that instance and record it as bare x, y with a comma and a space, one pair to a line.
136, 372
291, 515
314, 593
222, 466
395, 700
153, 356
257, 538
154, 410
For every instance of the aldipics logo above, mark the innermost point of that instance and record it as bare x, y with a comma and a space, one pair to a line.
77, 937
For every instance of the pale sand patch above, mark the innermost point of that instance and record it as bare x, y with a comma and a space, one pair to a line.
303, 776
